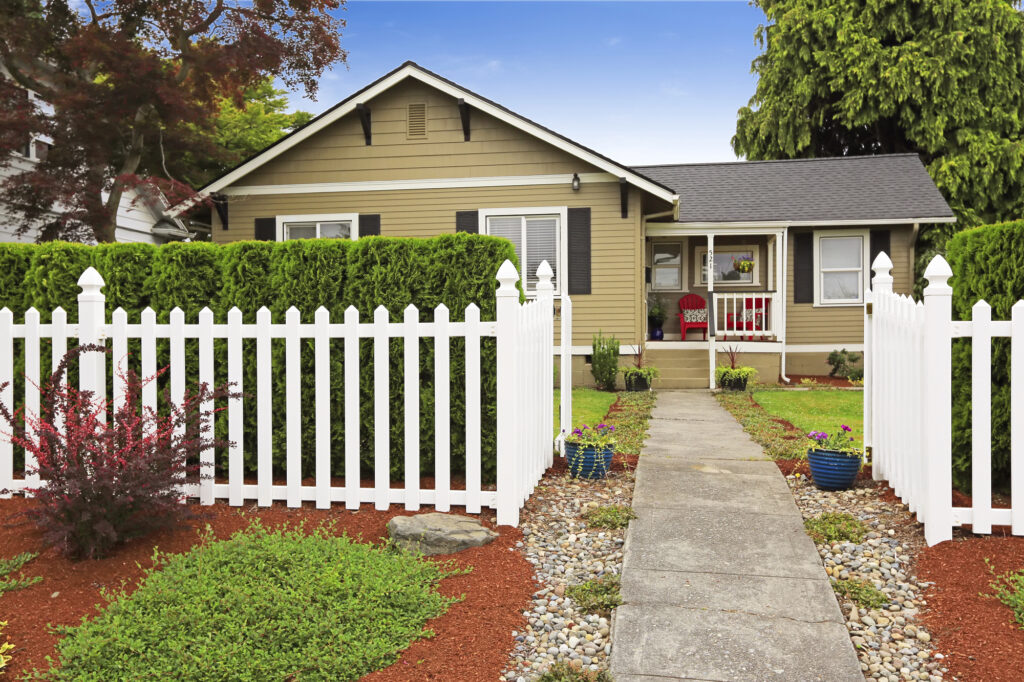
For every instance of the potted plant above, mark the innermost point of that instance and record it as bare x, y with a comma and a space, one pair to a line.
743, 264
733, 378
639, 376
589, 451
655, 320
833, 459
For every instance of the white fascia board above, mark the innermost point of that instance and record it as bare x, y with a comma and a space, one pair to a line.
410, 71
730, 227
414, 184
690, 230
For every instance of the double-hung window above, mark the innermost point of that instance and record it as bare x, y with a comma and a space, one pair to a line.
840, 260
667, 266
334, 226
536, 236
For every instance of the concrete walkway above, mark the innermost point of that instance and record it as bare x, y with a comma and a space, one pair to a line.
719, 580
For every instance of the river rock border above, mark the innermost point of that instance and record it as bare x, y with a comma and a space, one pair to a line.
890, 642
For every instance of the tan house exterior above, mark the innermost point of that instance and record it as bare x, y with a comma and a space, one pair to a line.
415, 155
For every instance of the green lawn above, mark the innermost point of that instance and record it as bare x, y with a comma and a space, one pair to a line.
822, 410
589, 406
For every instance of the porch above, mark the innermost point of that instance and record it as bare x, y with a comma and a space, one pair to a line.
721, 289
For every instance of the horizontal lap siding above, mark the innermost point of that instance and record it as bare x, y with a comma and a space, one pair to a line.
808, 324
612, 305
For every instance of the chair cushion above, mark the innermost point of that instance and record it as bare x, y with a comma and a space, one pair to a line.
748, 315
696, 315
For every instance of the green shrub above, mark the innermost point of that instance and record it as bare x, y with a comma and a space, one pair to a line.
864, 595
395, 272
833, 527
599, 596
1009, 589
609, 516
264, 605
5, 648
9, 583
564, 672
987, 263
604, 361
842, 362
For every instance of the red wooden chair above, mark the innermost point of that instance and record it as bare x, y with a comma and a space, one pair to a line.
751, 318
693, 314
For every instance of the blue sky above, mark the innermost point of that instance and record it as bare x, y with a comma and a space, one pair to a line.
642, 82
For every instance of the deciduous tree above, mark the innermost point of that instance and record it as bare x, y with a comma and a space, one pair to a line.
940, 78
133, 82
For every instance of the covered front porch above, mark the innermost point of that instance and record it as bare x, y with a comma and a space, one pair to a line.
720, 290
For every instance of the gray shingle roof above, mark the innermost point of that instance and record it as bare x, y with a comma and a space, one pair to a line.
887, 187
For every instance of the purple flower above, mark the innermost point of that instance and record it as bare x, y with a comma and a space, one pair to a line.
846, 428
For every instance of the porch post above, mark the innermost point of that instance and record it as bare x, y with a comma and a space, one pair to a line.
782, 254
712, 352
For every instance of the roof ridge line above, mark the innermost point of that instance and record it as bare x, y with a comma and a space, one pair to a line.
744, 162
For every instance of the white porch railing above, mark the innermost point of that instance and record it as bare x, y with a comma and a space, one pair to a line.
746, 314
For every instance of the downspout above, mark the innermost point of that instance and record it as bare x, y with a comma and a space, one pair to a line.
783, 278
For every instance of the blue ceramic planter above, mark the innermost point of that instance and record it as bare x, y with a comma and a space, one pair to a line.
833, 470
588, 461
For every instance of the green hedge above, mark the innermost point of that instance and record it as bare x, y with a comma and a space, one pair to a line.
394, 272
987, 263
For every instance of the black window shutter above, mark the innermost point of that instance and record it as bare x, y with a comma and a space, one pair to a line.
881, 240
266, 229
369, 224
220, 202
579, 250
803, 268
467, 221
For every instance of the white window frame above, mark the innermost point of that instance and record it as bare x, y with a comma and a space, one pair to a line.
562, 212
755, 275
318, 218
865, 236
682, 264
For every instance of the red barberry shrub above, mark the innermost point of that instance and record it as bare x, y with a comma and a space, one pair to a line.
103, 483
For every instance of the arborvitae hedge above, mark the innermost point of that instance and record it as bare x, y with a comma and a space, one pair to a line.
454, 269
987, 263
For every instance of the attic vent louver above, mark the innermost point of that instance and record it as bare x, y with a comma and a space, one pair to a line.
417, 124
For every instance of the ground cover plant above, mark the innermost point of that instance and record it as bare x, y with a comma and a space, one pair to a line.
9, 582
5, 648
599, 596
564, 672
809, 410
861, 593
773, 434
629, 415
832, 527
589, 406
609, 516
1009, 589
277, 604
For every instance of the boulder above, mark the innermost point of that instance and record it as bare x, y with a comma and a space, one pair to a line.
436, 533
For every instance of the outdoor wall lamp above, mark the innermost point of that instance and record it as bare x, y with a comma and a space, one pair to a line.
575, 182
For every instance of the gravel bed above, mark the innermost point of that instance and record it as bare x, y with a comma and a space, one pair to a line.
565, 552
890, 642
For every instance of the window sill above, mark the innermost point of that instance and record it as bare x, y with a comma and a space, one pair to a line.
853, 304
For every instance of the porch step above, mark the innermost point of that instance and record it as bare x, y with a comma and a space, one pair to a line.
662, 383
676, 359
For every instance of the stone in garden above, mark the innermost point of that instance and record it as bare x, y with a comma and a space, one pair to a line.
436, 533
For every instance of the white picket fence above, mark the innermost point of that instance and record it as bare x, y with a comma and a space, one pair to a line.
524, 336
908, 401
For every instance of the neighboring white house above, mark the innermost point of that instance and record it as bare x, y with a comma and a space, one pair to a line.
140, 218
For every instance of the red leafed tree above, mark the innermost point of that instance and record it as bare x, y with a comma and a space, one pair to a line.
128, 84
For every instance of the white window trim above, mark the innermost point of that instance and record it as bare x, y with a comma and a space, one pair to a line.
318, 218
865, 236
755, 276
683, 269
563, 231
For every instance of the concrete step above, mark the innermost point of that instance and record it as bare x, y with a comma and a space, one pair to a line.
684, 373
666, 383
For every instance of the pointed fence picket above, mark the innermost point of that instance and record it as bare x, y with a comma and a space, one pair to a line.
524, 337
908, 401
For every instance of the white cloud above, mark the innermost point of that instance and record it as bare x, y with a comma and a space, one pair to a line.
613, 41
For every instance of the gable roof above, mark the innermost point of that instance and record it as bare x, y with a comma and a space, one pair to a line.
412, 70
891, 188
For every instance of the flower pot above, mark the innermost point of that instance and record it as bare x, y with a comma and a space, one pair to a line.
657, 334
736, 384
832, 469
637, 382
587, 461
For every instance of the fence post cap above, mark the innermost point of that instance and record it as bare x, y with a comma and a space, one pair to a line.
90, 280
507, 277
881, 264
938, 273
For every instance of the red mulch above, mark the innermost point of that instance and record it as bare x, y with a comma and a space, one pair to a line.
978, 635
472, 642
824, 380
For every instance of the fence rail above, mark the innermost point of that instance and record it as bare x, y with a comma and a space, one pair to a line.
908, 401
524, 337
